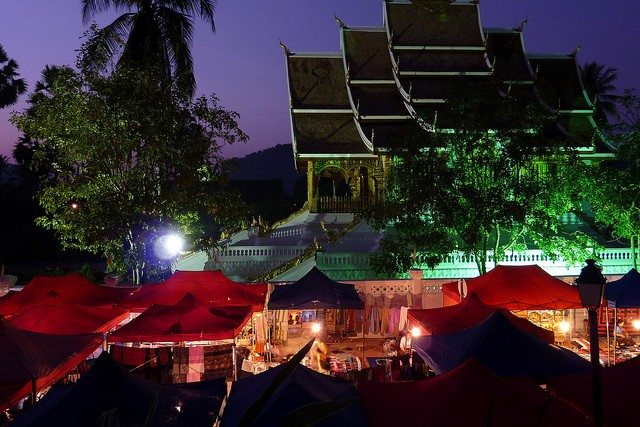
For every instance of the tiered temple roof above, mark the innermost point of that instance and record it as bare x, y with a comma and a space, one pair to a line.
389, 81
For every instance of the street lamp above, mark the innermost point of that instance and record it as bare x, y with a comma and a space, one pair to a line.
591, 288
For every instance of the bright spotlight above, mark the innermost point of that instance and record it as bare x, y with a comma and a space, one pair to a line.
564, 326
415, 331
636, 324
315, 327
168, 246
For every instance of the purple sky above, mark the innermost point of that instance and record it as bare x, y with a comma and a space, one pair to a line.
243, 64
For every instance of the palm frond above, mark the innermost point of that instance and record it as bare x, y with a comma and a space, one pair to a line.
108, 40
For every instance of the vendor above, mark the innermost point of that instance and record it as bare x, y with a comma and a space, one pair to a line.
405, 342
622, 337
319, 355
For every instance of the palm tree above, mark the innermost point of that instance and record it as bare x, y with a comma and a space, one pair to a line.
10, 85
598, 80
150, 32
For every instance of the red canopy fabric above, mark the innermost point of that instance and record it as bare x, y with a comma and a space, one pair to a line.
470, 312
44, 358
210, 287
188, 320
470, 395
73, 288
53, 315
520, 287
620, 393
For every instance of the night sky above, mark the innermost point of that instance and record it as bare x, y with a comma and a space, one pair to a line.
243, 64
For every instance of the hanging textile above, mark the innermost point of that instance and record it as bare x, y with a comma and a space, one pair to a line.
196, 364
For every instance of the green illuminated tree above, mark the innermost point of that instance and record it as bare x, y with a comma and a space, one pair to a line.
133, 159
493, 184
614, 190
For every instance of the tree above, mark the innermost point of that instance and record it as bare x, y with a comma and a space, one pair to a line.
133, 159
488, 185
598, 80
11, 86
614, 190
154, 32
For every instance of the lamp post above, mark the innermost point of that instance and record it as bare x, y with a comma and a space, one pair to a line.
591, 288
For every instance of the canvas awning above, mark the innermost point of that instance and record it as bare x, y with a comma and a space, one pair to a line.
500, 346
518, 287
314, 291
211, 287
469, 312
73, 288
53, 315
31, 360
188, 320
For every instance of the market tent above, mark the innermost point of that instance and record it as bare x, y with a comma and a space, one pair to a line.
109, 392
211, 287
187, 320
302, 387
500, 346
54, 315
31, 360
620, 393
469, 312
624, 292
73, 288
469, 395
314, 290
519, 287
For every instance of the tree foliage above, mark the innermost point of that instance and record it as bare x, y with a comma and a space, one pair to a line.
599, 82
614, 190
11, 85
491, 184
132, 159
156, 32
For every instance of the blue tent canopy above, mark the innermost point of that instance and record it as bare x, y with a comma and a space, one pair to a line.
109, 390
624, 292
501, 347
302, 387
314, 290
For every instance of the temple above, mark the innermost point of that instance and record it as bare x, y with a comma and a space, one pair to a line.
349, 108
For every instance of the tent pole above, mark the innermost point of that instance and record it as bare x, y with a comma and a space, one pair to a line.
33, 391
234, 359
615, 336
363, 318
606, 315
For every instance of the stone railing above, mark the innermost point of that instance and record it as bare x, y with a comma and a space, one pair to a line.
250, 262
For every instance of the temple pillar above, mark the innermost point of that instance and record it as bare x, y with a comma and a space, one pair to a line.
310, 185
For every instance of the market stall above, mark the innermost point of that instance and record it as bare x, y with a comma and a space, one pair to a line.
333, 302
211, 287
469, 395
190, 320
32, 361
516, 287
73, 288
623, 296
500, 346
108, 388
469, 312
54, 315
